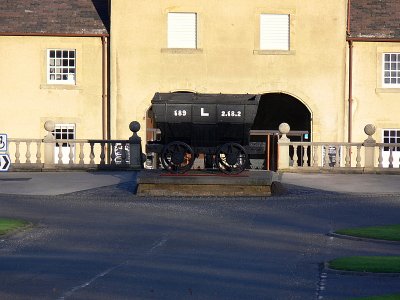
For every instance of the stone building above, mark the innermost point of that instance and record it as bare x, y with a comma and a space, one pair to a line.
373, 80
274, 49
53, 58
325, 67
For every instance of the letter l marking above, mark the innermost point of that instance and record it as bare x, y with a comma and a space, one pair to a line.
203, 113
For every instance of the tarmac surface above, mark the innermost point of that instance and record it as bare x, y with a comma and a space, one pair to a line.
92, 238
58, 183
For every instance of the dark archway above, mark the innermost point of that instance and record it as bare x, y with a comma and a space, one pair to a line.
274, 109
277, 108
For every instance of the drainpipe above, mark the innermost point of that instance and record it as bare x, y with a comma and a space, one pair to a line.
350, 121
350, 110
104, 87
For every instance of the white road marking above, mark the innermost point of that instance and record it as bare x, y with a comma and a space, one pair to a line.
73, 290
155, 245
160, 243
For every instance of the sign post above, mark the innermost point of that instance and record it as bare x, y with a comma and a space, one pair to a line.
3, 142
5, 161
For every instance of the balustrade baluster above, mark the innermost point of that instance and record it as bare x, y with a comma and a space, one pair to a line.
102, 153
91, 153
81, 154
301, 157
71, 153
123, 154
399, 161
28, 152
380, 158
315, 156
295, 157
391, 157
113, 153
337, 157
60, 154
326, 157
358, 158
17, 154
348, 156
305, 156
38, 153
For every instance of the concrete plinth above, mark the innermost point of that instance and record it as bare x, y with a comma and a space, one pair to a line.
205, 183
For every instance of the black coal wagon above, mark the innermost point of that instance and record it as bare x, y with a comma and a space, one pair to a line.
215, 125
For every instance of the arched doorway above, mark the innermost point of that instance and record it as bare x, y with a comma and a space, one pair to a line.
274, 109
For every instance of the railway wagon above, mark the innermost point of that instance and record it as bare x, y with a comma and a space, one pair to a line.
216, 125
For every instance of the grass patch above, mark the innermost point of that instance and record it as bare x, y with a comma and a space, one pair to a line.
390, 232
375, 264
8, 225
387, 297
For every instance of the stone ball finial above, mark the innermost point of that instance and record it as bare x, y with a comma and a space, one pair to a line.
134, 126
369, 129
49, 125
284, 128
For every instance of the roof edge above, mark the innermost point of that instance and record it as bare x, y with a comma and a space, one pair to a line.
373, 39
54, 34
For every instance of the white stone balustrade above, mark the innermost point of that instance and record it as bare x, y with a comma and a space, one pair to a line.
365, 157
50, 153
25, 151
77, 154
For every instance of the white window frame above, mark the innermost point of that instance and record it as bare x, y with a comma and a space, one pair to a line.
279, 38
182, 30
391, 135
391, 70
61, 70
65, 131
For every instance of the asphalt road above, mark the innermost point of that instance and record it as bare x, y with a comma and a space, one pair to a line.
106, 243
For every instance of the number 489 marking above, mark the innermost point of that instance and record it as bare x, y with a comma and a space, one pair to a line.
180, 112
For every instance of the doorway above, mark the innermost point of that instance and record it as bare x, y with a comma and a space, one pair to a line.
274, 109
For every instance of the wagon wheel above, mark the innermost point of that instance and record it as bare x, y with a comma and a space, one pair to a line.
231, 158
177, 157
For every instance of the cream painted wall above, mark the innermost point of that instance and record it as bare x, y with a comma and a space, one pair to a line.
372, 103
228, 59
27, 101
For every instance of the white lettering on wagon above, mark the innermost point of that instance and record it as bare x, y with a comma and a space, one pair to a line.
180, 113
203, 113
231, 113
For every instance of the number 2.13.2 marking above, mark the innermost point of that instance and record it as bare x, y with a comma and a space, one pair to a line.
231, 113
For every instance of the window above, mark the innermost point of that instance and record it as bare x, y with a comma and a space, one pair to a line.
391, 136
391, 70
274, 32
64, 132
182, 30
61, 66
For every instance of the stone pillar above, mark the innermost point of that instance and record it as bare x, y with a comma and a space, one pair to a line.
283, 152
369, 146
49, 143
135, 147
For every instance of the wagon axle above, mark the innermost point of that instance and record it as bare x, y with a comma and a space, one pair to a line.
178, 157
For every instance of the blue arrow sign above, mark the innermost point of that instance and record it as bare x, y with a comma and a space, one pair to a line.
5, 162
